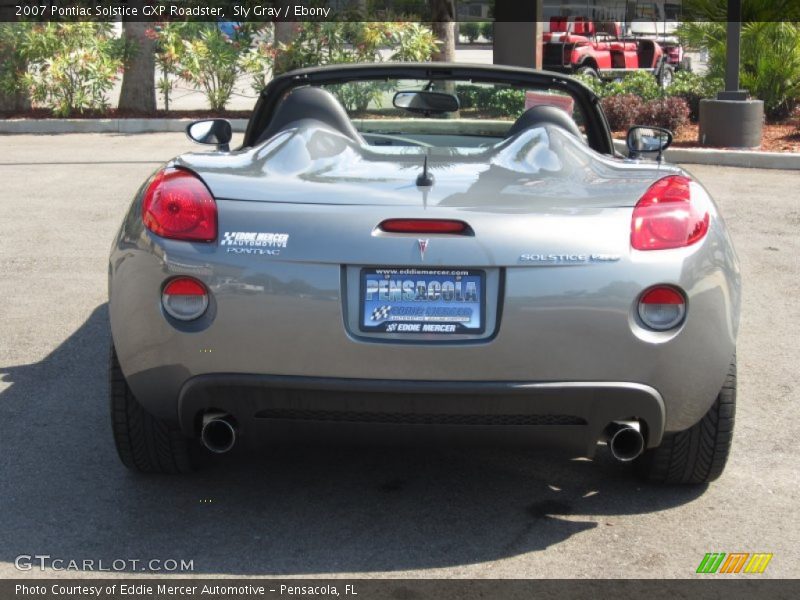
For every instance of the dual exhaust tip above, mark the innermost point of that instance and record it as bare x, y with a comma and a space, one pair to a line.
218, 432
625, 440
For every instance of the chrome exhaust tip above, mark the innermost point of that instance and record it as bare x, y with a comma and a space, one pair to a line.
625, 440
218, 433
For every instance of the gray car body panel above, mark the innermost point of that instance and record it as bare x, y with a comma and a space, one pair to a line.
294, 314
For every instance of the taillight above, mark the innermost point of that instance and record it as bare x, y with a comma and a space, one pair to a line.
424, 226
665, 217
185, 298
662, 307
178, 205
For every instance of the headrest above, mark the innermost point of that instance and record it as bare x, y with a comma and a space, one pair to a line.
311, 103
545, 115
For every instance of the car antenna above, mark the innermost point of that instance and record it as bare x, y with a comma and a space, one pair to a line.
425, 179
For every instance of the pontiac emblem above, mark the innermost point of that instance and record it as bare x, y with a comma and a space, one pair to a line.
423, 246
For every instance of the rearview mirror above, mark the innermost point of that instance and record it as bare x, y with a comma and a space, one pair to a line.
216, 132
427, 103
644, 140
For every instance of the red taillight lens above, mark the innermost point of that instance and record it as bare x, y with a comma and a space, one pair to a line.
662, 308
424, 226
185, 298
665, 216
177, 205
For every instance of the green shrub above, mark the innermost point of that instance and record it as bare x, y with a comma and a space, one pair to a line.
13, 65
72, 66
168, 46
207, 58
638, 83
412, 42
772, 72
487, 30
770, 59
470, 30
259, 62
593, 83
693, 88
507, 102
357, 96
475, 96
467, 95
319, 43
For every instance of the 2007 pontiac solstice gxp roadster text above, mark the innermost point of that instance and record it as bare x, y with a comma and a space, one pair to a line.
388, 248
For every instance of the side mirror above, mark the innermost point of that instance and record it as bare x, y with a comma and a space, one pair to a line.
646, 140
425, 102
216, 132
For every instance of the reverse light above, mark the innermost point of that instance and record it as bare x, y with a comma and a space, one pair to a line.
185, 299
445, 226
665, 217
662, 307
178, 205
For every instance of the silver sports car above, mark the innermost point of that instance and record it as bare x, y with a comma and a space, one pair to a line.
432, 248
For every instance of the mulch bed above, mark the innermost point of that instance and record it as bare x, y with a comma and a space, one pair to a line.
776, 137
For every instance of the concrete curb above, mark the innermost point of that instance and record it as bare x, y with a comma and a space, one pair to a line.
727, 158
125, 126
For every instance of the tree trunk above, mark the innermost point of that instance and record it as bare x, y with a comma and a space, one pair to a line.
443, 13
285, 32
15, 101
138, 82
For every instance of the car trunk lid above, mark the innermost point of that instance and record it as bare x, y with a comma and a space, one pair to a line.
541, 170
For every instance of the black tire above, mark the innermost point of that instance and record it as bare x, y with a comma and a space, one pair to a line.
666, 76
144, 443
698, 454
588, 70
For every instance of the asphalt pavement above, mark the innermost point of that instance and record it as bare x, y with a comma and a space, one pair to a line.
342, 511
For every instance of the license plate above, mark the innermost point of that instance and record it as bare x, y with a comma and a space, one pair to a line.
422, 301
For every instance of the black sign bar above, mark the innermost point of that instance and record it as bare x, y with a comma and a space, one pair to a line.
745, 587
390, 10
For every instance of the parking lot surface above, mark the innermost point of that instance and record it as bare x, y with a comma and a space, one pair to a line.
341, 511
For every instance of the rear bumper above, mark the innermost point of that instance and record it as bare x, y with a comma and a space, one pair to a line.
570, 415
296, 317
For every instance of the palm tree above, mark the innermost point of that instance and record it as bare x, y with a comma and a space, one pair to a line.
138, 81
443, 13
770, 59
14, 61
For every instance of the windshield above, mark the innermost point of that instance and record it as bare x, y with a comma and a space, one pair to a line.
447, 113
430, 104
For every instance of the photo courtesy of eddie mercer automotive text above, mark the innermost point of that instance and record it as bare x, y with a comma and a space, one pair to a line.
418, 263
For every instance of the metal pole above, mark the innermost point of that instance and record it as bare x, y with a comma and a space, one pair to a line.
518, 34
733, 53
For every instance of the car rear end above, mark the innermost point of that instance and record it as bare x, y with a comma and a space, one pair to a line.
540, 312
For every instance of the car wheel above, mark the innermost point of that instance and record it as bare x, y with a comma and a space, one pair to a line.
589, 71
666, 76
697, 454
144, 443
